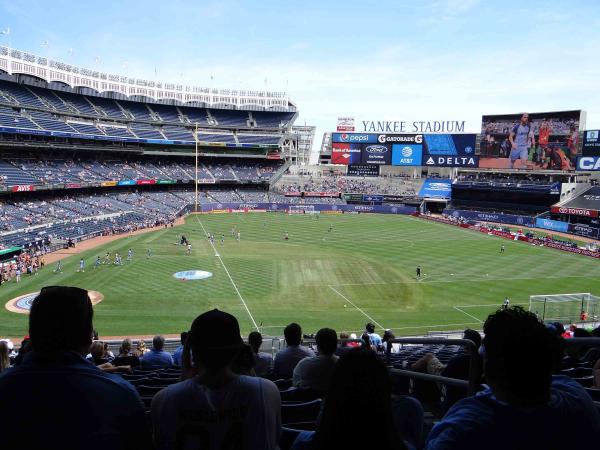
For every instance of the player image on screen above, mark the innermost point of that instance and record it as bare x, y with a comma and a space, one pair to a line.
572, 141
521, 140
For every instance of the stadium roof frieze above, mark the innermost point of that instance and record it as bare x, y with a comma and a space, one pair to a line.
17, 62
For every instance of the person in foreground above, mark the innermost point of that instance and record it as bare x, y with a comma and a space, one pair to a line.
360, 385
526, 406
57, 399
216, 408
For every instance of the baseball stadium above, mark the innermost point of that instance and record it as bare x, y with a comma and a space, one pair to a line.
194, 223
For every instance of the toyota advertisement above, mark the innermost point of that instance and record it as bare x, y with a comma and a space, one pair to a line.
437, 150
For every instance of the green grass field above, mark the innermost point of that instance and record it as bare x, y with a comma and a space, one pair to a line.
364, 270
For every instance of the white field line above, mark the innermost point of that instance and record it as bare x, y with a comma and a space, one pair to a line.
228, 274
471, 316
364, 313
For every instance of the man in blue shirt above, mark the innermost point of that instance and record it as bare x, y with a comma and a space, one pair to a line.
525, 407
157, 358
521, 139
55, 398
374, 338
178, 353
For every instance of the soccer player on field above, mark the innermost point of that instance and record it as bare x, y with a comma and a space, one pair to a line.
222, 238
81, 265
188, 251
418, 272
286, 236
149, 253
97, 263
506, 303
502, 248
129, 255
521, 139
58, 268
238, 236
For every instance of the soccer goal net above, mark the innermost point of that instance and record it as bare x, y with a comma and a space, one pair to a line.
566, 308
302, 209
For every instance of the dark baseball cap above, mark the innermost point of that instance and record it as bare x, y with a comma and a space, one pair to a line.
216, 330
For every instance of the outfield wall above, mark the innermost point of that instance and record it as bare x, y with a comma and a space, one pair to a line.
526, 221
513, 237
283, 207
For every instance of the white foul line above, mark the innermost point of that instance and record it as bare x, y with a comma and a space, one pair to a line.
364, 313
227, 272
472, 317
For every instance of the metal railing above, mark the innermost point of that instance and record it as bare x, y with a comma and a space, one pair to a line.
474, 369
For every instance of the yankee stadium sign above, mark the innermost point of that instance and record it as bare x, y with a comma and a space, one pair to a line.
422, 126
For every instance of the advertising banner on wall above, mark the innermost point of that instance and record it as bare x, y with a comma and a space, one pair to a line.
583, 230
363, 170
407, 154
376, 154
436, 188
591, 143
512, 219
345, 124
554, 225
356, 138
345, 153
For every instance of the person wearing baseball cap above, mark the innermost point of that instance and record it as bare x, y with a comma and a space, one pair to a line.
217, 408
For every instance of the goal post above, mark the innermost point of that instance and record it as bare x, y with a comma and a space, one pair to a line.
302, 209
565, 308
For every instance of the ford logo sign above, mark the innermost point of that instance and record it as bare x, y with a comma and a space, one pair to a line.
407, 151
376, 149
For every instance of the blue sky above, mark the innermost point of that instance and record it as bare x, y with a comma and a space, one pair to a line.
377, 60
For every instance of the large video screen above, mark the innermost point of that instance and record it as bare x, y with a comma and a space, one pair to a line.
533, 141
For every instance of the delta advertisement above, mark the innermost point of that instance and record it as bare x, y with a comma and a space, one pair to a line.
436, 188
435, 150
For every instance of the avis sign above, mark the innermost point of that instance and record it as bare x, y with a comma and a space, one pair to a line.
23, 188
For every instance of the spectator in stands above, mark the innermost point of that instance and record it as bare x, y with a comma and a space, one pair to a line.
248, 409
140, 349
374, 338
388, 336
179, 351
87, 409
243, 363
262, 361
286, 359
360, 384
126, 356
4, 359
525, 406
314, 372
23, 350
157, 358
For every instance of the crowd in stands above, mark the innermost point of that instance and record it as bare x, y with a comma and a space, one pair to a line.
504, 179
214, 391
337, 183
32, 170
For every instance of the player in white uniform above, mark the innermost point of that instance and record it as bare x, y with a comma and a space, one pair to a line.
129, 255
188, 250
81, 265
238, 236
